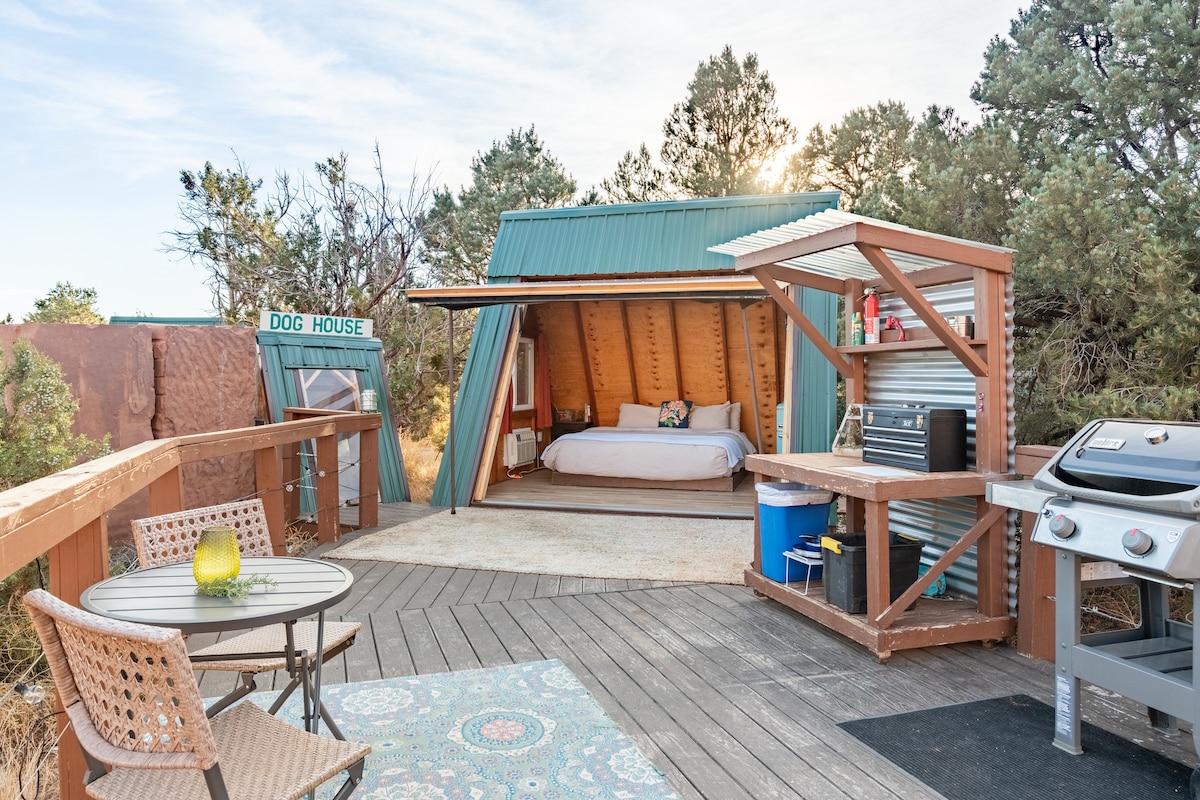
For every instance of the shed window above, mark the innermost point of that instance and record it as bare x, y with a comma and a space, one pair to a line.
522, 376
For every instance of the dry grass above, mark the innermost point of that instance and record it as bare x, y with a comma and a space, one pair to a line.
28, 758
421, 462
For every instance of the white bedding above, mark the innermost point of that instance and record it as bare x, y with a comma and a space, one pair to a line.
656, 454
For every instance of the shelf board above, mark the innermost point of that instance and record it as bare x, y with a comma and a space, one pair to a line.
911, 344
929, 622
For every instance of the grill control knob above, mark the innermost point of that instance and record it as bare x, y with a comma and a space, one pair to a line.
1136, 542
1061, 526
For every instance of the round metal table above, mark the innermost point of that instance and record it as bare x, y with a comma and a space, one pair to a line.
166, 596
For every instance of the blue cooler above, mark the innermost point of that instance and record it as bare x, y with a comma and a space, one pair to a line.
786, 512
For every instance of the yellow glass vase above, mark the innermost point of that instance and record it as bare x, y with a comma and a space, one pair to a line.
217, 557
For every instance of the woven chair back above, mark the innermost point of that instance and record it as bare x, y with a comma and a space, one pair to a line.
171, 538
134, 682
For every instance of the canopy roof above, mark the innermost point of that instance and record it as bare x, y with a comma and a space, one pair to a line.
712, 287
828, 248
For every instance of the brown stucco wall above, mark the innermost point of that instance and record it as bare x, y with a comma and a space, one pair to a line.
142, 382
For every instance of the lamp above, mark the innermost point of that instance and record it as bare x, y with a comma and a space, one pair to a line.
369, 401
217, 557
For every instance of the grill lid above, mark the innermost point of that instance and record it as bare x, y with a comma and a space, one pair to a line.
1139, 463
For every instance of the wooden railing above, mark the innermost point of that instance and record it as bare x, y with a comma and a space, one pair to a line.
65, 514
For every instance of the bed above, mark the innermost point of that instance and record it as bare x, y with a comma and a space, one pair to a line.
709, 454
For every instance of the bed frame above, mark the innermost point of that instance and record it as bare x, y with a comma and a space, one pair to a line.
726, 484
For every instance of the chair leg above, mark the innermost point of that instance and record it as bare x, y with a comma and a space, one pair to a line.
216, 783
354, 774
248, 686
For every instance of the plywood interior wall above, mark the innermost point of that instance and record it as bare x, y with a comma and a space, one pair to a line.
608, 352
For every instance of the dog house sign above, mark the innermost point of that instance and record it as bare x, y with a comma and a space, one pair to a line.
319, 324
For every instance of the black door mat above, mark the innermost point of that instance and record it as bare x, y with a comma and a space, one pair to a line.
1001, 749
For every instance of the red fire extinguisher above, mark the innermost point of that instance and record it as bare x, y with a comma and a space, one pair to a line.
871, 317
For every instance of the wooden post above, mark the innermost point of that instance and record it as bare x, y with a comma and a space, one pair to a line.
75, 564
268, 483
166, 493
368, 478
1035, 581
327, 489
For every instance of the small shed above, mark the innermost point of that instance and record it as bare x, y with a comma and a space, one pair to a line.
633, 308
329, 371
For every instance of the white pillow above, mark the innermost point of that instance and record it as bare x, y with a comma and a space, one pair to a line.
635, 416
735, 416
710, 418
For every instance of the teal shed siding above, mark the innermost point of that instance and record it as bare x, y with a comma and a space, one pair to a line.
634, 240
473, 407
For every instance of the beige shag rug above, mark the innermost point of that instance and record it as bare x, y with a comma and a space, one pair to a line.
561, 543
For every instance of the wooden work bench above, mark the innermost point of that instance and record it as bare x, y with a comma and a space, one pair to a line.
912, 620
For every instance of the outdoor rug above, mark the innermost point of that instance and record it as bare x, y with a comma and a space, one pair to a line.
561, 543
1001, 748
523, 731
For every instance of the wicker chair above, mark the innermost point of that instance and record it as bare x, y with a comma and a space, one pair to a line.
171, 538
130, 694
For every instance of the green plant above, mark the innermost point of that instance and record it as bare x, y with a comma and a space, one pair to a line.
234, 588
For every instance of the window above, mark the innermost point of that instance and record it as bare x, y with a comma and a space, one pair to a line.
522, 376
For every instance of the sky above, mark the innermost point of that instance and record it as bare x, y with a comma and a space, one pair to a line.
102, 104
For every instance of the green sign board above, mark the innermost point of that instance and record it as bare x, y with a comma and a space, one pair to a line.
289, 322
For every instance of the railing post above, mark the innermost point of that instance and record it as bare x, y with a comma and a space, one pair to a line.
268, 483
75, 564
1035, 582
328, 501
166, 493
368, 478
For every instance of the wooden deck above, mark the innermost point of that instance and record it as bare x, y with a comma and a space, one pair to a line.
732, 695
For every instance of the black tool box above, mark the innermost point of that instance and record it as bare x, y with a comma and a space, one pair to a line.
915, 437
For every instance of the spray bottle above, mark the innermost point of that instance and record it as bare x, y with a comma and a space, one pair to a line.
871, 317
856, 329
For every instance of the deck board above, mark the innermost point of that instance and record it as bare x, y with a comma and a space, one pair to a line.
732, 695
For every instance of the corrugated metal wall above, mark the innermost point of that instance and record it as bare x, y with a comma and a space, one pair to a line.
935, 378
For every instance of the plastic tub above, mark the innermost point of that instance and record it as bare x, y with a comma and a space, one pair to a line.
787, 512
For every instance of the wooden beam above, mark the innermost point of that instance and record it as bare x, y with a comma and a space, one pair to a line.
801, 246
326, 480
800, 277
674, 349
587, 359
166, 493
994, 515
268, 485
926, 312
368, 479
935, 246
628, 334
723, 345
797, 316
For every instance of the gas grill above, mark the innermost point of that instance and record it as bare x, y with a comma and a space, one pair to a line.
1123, 504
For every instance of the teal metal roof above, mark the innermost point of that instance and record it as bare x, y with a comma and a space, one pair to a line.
166, 321
639, 238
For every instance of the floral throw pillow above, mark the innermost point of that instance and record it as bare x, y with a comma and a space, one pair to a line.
674, 413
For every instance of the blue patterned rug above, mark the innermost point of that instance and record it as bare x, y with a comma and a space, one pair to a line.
505, 733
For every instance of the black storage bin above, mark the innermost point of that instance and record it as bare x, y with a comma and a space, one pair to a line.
846, 572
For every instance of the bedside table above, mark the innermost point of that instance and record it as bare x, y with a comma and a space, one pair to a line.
557, 429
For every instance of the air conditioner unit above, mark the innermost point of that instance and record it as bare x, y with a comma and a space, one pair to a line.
520, 447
